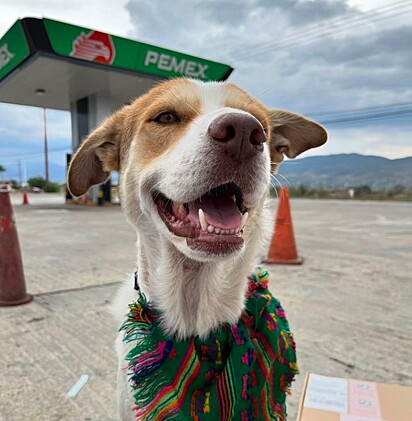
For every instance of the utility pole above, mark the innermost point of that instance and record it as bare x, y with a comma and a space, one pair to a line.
20, 172
24, 172
46, 157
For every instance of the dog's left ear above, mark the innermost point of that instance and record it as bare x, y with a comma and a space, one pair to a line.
97, 156
292, 134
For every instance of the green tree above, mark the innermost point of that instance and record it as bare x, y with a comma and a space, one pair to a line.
52, 187
363, 190
14, 184
396, 191
2, 169
39, 182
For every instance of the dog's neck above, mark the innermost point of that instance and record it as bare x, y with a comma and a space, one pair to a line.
194, 297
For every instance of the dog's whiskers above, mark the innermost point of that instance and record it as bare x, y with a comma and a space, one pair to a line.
275, 179
277, 162
152, 188
256, 97
269, 116
287, 181
288, 162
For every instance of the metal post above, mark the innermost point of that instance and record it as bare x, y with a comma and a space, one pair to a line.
46, 157
20, 172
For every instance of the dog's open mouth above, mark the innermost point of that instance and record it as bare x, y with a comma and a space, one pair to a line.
212, 223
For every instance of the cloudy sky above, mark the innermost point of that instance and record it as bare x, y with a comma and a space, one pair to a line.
346, 63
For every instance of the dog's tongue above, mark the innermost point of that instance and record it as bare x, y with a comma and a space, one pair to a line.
220, 211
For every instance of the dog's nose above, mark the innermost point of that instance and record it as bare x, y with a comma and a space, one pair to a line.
241, 135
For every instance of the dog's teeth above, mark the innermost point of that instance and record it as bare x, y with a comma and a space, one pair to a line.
237, 230
233, 198
182, 209
211, 228
217, 230
179, 210
232, 231
202, 220
244, 220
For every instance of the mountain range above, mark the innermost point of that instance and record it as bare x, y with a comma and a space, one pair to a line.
347, 170
329, 171
57, 172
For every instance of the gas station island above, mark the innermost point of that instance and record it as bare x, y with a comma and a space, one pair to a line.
50, 64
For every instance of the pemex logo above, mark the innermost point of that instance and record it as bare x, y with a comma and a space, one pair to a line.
5, 56
94, 46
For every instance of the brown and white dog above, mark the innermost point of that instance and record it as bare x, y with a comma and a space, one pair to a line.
194, 162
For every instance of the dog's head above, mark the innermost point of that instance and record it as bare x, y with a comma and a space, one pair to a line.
194, 161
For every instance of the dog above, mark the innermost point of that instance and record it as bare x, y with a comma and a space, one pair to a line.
194, 161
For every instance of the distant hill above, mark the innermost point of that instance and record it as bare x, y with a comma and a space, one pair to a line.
347, 170
57, 172
329, 171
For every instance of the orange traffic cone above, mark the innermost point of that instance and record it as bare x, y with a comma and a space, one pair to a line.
12, 284
282, 250
25, 198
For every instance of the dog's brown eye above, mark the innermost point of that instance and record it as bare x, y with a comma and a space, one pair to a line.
167, 118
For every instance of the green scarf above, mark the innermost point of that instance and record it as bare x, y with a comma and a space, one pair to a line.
240, 372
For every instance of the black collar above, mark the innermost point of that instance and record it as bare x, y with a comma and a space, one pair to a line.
136, 282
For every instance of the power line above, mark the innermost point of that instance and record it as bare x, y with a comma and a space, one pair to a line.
340, 24
34, 153
331, 117
329, 23
332, 27
393, 114
352, 110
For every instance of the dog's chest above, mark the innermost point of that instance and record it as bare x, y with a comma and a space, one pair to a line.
240, 371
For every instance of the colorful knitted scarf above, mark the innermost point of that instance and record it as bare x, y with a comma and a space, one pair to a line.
240, 372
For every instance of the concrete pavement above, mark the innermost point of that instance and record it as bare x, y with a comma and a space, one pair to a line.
348, 304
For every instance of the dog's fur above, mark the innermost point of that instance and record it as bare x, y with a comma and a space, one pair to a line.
196, 288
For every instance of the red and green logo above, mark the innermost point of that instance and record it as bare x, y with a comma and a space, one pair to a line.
13, 49
94, 46
5, 56
83, 43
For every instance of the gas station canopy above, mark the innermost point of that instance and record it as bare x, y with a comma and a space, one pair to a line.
52, 64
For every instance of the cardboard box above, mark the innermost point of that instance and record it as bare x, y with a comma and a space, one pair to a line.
335, 399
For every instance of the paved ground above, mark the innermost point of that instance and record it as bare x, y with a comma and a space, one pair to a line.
349, 304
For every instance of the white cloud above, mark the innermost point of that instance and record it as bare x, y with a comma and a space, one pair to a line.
105, 15
366, 5
368, 65
377, 140
24, 125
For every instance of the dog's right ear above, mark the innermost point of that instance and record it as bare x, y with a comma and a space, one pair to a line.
293, 134
97, 156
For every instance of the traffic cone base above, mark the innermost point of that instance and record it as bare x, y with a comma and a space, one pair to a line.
27, 299
282, 250
12, 284
297, 261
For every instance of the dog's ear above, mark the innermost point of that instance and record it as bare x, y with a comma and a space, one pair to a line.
97, 156
292, 134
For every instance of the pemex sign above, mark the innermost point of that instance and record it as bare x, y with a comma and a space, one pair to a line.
70, 63
99, 47
13, 49
94, 46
